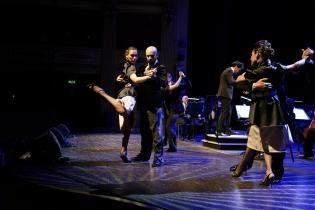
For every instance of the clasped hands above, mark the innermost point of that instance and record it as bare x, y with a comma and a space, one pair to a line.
262, 84
150, 72
307, 53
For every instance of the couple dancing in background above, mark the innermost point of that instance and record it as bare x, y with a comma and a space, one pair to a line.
269, 131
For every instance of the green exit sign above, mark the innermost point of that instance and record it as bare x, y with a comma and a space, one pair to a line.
71, 82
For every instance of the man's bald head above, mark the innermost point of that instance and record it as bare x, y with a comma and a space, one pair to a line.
151, 54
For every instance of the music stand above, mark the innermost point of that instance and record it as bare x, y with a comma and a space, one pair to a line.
300, 114
242, 111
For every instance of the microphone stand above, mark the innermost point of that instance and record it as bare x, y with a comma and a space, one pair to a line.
217, 118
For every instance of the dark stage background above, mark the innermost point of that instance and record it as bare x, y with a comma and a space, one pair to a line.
226, 31
50, 50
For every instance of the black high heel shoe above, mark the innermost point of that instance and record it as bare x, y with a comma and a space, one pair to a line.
94, 88
248, 166
236, 173
268, 179
124, 157
90, 86
233, 168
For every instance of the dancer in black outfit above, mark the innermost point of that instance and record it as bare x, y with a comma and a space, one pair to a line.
126, 99
173, 108
269, 130
150, 104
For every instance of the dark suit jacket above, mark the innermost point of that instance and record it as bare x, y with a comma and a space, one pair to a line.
150, 93
227, 83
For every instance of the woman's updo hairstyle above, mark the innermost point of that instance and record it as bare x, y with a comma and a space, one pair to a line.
264, 48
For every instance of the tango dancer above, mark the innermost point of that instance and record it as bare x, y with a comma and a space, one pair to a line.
126, 100
150, 104
173, 108
269, 129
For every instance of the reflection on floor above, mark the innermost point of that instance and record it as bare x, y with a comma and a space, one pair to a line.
194, 177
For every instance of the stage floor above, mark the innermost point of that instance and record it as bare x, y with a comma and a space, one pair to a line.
195, 177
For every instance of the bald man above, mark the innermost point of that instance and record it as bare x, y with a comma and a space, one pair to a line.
150, 102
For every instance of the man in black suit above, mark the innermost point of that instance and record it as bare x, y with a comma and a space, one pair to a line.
225, 95
150, 104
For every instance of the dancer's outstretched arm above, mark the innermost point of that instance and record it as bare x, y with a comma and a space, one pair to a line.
307, 55
176, 84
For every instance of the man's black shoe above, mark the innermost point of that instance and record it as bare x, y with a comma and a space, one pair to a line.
171, 150
140, 157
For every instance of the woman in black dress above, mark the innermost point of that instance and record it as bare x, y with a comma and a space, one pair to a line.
269, 130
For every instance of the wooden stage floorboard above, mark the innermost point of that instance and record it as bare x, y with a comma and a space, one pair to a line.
195, 177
